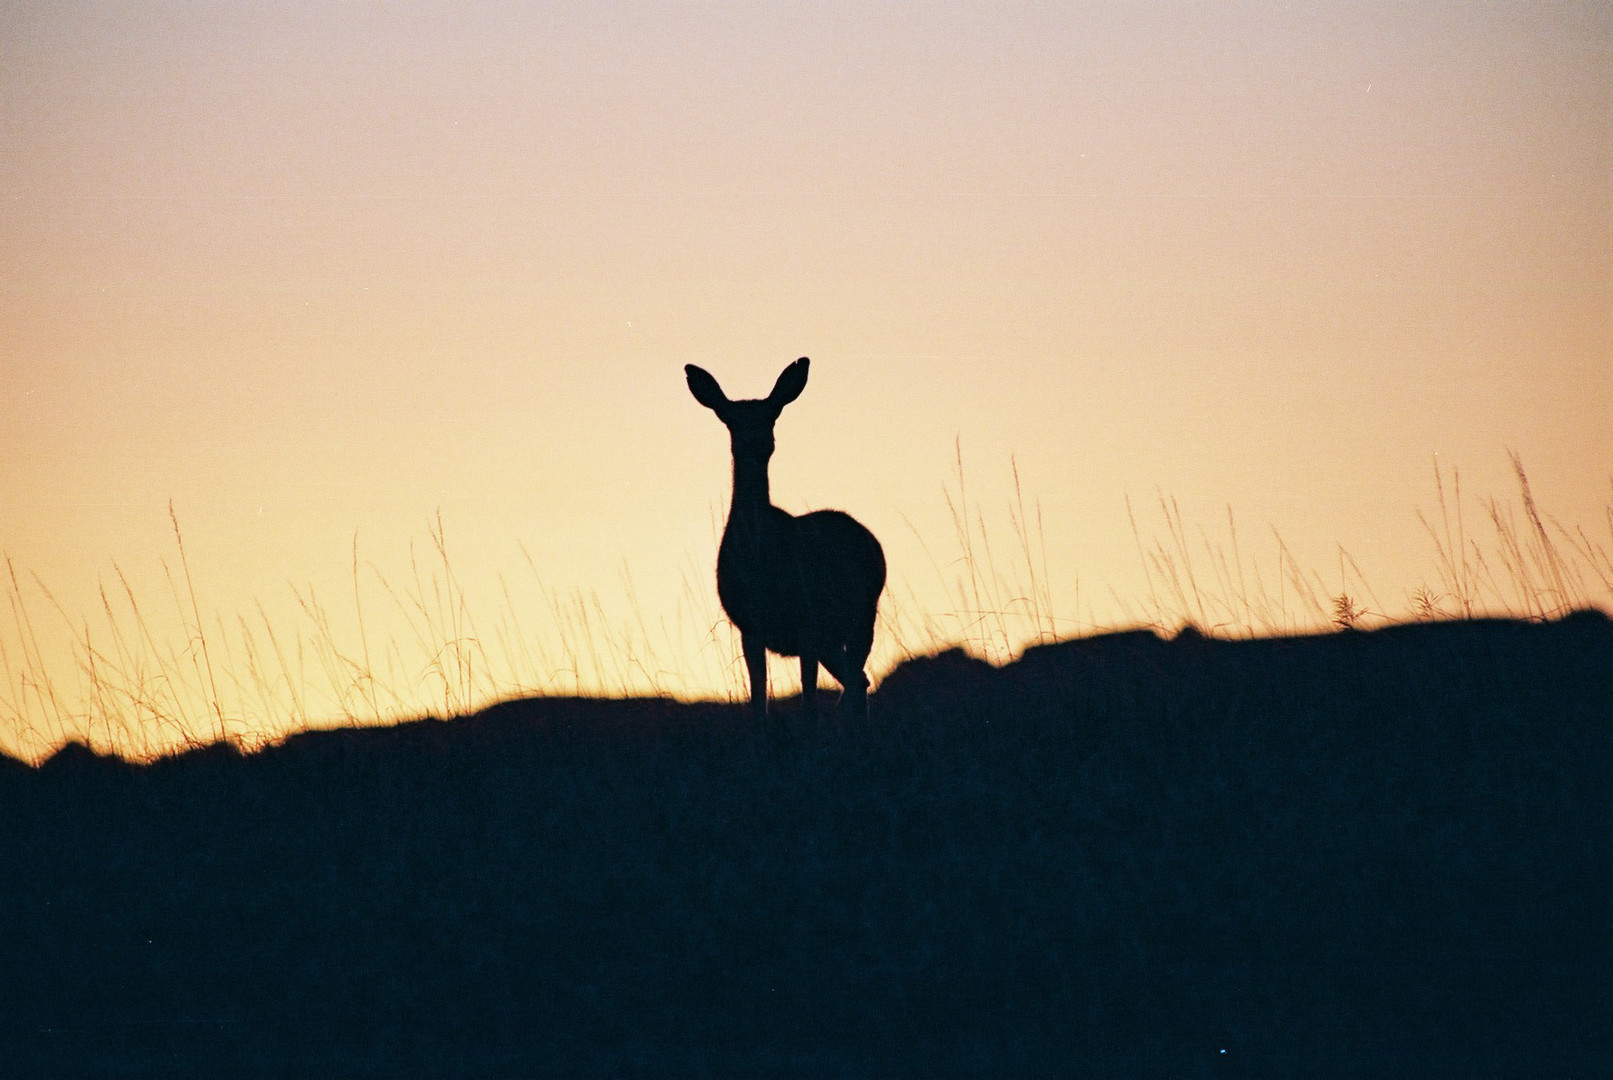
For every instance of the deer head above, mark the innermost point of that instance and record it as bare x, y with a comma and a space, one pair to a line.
749, 423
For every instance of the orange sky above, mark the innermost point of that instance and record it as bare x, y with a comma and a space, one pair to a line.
315, 273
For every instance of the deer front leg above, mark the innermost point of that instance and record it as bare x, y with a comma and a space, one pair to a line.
756, 663
809, 687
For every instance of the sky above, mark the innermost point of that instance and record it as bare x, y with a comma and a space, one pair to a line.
340, 288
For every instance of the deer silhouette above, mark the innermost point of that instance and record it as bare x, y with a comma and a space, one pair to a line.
803, 586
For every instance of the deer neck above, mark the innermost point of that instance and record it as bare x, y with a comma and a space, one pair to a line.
752, 501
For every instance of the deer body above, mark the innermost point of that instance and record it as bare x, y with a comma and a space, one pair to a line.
804, 586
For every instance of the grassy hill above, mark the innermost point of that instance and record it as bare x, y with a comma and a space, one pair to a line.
1385, 852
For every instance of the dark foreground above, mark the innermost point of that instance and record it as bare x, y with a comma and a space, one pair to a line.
1380, 853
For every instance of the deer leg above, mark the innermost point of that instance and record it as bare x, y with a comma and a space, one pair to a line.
857, 649
854, 702
756, 663
853, 684
809, 687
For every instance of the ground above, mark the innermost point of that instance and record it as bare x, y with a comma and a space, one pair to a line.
1366, 853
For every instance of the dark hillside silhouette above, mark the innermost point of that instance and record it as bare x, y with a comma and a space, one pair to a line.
803, 586
1366, 853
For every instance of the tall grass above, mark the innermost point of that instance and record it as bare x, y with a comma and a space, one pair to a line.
135, 685
995, 606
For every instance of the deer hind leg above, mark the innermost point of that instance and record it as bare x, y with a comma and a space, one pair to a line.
756, 664
809, 687
857, 650
846, 667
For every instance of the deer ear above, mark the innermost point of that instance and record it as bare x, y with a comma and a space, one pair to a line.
705, 388
789, 386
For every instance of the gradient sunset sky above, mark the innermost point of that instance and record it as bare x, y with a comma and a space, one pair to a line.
315, 272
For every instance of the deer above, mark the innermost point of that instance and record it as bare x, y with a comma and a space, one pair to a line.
806, 585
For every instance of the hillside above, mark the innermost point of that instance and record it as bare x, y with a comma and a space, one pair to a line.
1377, 852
